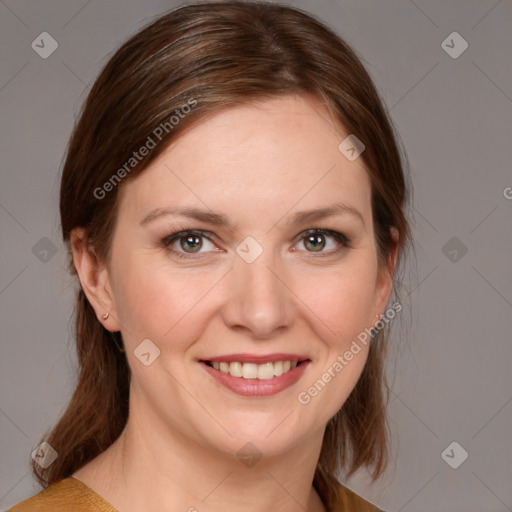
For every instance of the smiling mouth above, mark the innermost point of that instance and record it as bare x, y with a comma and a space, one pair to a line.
265, 371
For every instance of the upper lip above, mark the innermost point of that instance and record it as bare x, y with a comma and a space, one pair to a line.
252, 358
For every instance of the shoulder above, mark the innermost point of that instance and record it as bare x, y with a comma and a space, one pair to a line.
68, 495
349, 500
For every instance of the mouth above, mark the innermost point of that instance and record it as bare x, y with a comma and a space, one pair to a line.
256, 375
265, 371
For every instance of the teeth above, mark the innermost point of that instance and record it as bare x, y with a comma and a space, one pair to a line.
250, 371
264, 371
236, 369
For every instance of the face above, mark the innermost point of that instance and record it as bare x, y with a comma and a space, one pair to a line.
250, 239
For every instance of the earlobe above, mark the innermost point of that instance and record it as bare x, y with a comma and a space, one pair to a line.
94, 278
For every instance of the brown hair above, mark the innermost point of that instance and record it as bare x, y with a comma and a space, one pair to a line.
212, 56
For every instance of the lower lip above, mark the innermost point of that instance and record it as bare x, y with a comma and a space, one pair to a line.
257, 387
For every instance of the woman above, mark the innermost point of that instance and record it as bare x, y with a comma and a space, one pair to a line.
233, 201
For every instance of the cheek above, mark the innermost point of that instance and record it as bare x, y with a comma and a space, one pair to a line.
341, 298
155, 302
342, 307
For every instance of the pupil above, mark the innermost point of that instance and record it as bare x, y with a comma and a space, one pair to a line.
192, 242
317, 242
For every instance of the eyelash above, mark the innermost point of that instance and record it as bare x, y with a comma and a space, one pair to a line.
339, 237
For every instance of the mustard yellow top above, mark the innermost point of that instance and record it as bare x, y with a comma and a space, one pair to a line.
72, 495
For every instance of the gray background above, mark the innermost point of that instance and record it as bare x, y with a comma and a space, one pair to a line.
453, 380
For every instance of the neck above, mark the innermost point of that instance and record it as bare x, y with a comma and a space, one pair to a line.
161, 468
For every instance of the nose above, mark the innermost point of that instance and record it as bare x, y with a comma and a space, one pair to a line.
258, 299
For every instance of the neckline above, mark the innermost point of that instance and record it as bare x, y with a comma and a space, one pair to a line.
93, 495
342, 493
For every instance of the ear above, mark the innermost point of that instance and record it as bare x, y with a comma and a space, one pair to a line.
94, 278
384, 284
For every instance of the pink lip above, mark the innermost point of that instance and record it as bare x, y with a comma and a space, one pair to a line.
251, 358
257, 387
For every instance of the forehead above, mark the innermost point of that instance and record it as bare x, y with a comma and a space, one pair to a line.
258, 158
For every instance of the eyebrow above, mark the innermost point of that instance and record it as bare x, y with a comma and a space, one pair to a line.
193, 213
322, 213
223, 221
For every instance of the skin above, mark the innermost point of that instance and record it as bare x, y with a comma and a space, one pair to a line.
258, 165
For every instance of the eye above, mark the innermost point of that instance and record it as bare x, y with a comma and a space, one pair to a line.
316, 240
188, 242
